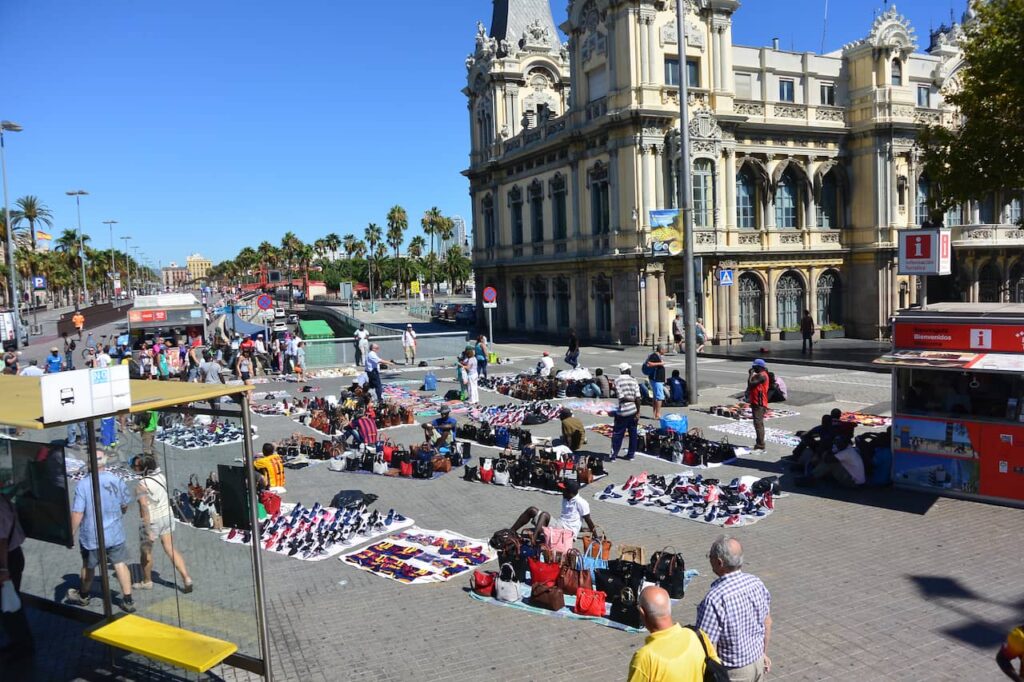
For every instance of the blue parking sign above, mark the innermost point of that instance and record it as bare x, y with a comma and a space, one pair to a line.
38, 282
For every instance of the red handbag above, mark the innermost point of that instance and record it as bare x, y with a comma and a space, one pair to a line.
405, 469
271, 502
589, 603
388, 449
482, 583
486, 475
542, 573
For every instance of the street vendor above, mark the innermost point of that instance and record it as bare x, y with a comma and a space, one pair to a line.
441, 431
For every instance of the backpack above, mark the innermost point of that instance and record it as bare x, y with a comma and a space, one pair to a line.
430, 382
713, 670
72, 345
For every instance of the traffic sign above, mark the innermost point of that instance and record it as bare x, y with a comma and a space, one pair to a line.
39, 282
265, 302
490, 295
414, 287
725, 278
492, 304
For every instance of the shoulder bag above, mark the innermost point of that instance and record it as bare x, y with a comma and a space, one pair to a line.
624, 608
541, 572
571, 574
501, 472
600, 540
668, 570
714, 671
634, 553
589, 602
558, 539
506, 589
380, 466
482, 583
547, 596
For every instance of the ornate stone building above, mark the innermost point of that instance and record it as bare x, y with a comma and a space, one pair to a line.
803, 168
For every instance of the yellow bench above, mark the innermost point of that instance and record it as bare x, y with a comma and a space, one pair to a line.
162, 642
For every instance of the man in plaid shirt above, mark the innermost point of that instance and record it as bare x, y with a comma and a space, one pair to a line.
626, 416
735, 614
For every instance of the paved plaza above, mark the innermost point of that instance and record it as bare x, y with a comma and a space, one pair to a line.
866, 585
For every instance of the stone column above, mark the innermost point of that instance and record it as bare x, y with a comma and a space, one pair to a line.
574, 193
812, 293
651, 319
894, 290
647, 160
614, 190
729, 177
658, 152
648, 28
912, 293
720, 295
659, 307
770, 293
645, 65
734, 309
723, 49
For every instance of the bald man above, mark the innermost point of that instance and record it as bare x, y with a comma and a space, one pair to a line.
670, 653
736, 614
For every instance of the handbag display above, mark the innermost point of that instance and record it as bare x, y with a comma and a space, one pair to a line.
558, 539
590, 602
541, 572
634, 553
592, 560
482, 583
442, 464
506, 589
470, 473
547, 596
624, 608
501, 472
668, 570
601, 540
405, 469
571, 574
380, 466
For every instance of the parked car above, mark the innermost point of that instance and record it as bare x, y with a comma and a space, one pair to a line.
466, 314
438, 310
293, 319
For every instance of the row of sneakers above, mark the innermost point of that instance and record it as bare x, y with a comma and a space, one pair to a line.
695, 497
191, 438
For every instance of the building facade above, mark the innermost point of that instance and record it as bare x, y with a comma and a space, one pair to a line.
198, 266
803, 169
174, 277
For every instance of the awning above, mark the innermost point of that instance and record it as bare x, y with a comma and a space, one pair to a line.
22, 404
979, 362
360, 287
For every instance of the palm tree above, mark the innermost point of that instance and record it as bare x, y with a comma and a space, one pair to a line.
415, 251
398, 223
268, 255
457, 266
305, 256
431, 223
30, 210
349, 242
373, 236
290, 246
333, 241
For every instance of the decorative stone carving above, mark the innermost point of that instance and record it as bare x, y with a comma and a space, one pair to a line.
1015, 234
694, 35
470, 61
830, 238
925, 117
891, 31
705, 238
823, 114
791, 238
594, 45
704, 125
748, 108
983, 233
485, 45
669, 34
788, 111
750, 239
697, 99
670, 96
537, 37
902, 111
903, 142
704, 147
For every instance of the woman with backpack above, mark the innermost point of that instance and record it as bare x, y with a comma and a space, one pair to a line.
156, 521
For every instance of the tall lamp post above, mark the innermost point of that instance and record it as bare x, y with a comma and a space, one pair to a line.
78, 194
689, 278
127, 265
12, 280
110, 224
138, 266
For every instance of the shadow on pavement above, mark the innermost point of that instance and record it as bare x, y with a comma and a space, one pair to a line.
893, 499
976, 631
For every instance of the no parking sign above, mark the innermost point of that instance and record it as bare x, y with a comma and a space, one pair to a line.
264, 302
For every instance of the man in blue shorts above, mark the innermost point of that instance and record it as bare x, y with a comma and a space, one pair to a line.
654, 368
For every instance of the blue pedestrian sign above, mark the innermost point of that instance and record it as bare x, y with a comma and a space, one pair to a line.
725, 278
39, 282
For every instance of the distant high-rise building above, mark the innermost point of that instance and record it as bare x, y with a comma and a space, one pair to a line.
458, 238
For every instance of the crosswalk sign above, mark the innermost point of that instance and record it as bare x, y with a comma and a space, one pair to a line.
725, 278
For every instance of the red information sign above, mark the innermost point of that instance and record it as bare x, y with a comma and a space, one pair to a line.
1000, 338
147, 316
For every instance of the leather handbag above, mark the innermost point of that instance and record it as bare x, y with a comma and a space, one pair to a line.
506, 588
487, 475
618, 575
442, 464
470, 473
592, 560
634, 553
501, 472
423, 468
558, 539
541, 572
571, 574
601, 540
547, 596
405, 469
624, 608
584, 475
482, 583
590, 602
668, 570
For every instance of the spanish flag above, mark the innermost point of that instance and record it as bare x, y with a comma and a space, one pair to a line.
43, 236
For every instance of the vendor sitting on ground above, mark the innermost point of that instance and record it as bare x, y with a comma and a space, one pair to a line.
269, 468
440, 431
361, 430
818, 440
546, 365
843, 464
675, 387
575, 510
573, 435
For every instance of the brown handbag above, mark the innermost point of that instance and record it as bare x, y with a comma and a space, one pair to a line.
547, 597
602, 539
584, 475
634, 553
442, 464
571, 575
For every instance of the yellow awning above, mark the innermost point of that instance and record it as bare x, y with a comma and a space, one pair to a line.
21, 403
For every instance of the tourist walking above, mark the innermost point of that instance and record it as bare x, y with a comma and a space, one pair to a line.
156, 521
677, 333
114, 501
78, 319
701, 335
69, 351
409, 344
482, 352
572, 355
736, 614
628, 391
670, 653
757, 396
362, 342
372, 368
469, 366
807, 332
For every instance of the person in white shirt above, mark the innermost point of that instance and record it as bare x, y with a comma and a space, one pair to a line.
409, 344
469, 366
362, 339
372, 367
546, 365
575, 510
33, 370
103, 359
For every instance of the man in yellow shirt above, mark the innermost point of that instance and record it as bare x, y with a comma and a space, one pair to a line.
1012, 650
670, 653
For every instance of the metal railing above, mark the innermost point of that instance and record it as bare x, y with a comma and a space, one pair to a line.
339, 352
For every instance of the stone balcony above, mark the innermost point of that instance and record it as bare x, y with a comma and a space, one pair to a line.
790, 112
745, 241
992, 236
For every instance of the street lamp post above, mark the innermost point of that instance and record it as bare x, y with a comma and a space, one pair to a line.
78, 194
127, 265
110, 224
12, 283
689, 278
138, 265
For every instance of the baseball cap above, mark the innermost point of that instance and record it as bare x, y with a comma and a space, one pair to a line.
624, 367
409, 326
760, 363
54, 349
546, 353
445, 409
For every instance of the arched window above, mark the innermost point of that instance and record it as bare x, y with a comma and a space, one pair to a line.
1013, 210
789, 300
897, 72
924, 190
519, 295
603, 305
987, 210
515, 204
830, 298
539, 292
746, 197
490, 227
786, 200
559, 218
751, 303
703, 194
562, 302
1017, 283
536, 196
952, 218
828, 207
988, 283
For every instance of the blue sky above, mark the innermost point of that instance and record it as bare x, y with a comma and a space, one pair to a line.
207, 126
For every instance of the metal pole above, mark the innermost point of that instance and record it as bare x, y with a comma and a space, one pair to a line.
81, 247
689, 279
490, 325
110, 224
257, 559
11, 270
97, 506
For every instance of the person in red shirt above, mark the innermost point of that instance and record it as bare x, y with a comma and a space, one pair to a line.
757, 396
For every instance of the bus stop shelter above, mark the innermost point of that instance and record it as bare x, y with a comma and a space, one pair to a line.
195, 632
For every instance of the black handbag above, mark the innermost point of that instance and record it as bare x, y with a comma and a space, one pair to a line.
668, 570
470, 473
624, 608
366, 463
352, 463
423, 468
618, 576
714, 671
